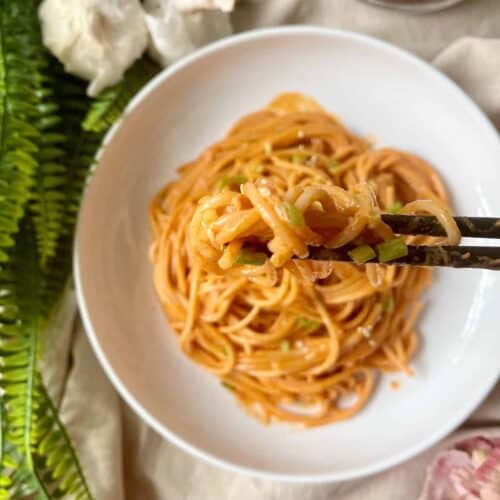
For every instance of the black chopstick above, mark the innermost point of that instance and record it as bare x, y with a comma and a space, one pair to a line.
475, 257
472, 227
442, 256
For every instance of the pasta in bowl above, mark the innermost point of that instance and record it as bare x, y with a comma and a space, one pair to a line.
190, 106
294, 340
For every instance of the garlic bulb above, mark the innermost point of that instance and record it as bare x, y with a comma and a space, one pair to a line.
174, 33
94, 39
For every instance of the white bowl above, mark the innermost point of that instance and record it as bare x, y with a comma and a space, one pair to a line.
376, 90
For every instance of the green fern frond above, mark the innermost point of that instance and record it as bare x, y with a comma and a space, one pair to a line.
31, 422
80, 149
29, 287
56, 456
19, 87
80, 146
56, 170
24, 305
47, 200
31, 153
108, 107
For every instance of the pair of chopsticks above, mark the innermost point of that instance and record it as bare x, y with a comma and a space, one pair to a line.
478, 257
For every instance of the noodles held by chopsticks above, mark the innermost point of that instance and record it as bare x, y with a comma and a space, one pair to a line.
294, 340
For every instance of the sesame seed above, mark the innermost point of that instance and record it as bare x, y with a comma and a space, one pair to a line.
365, 331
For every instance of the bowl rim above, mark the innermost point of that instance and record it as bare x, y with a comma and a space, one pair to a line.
131, 400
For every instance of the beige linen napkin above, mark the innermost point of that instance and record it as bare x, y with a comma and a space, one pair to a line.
123, 458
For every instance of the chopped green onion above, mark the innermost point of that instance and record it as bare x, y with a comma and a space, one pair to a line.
255, 170
388, 303
333, 164
228, 386
234, 180
250, 258
395, 207
362, 254
223, 350
297, 158
392, 249
294, 215
285, 345
308, 324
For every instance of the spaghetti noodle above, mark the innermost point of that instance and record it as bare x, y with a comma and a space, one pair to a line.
294, 340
